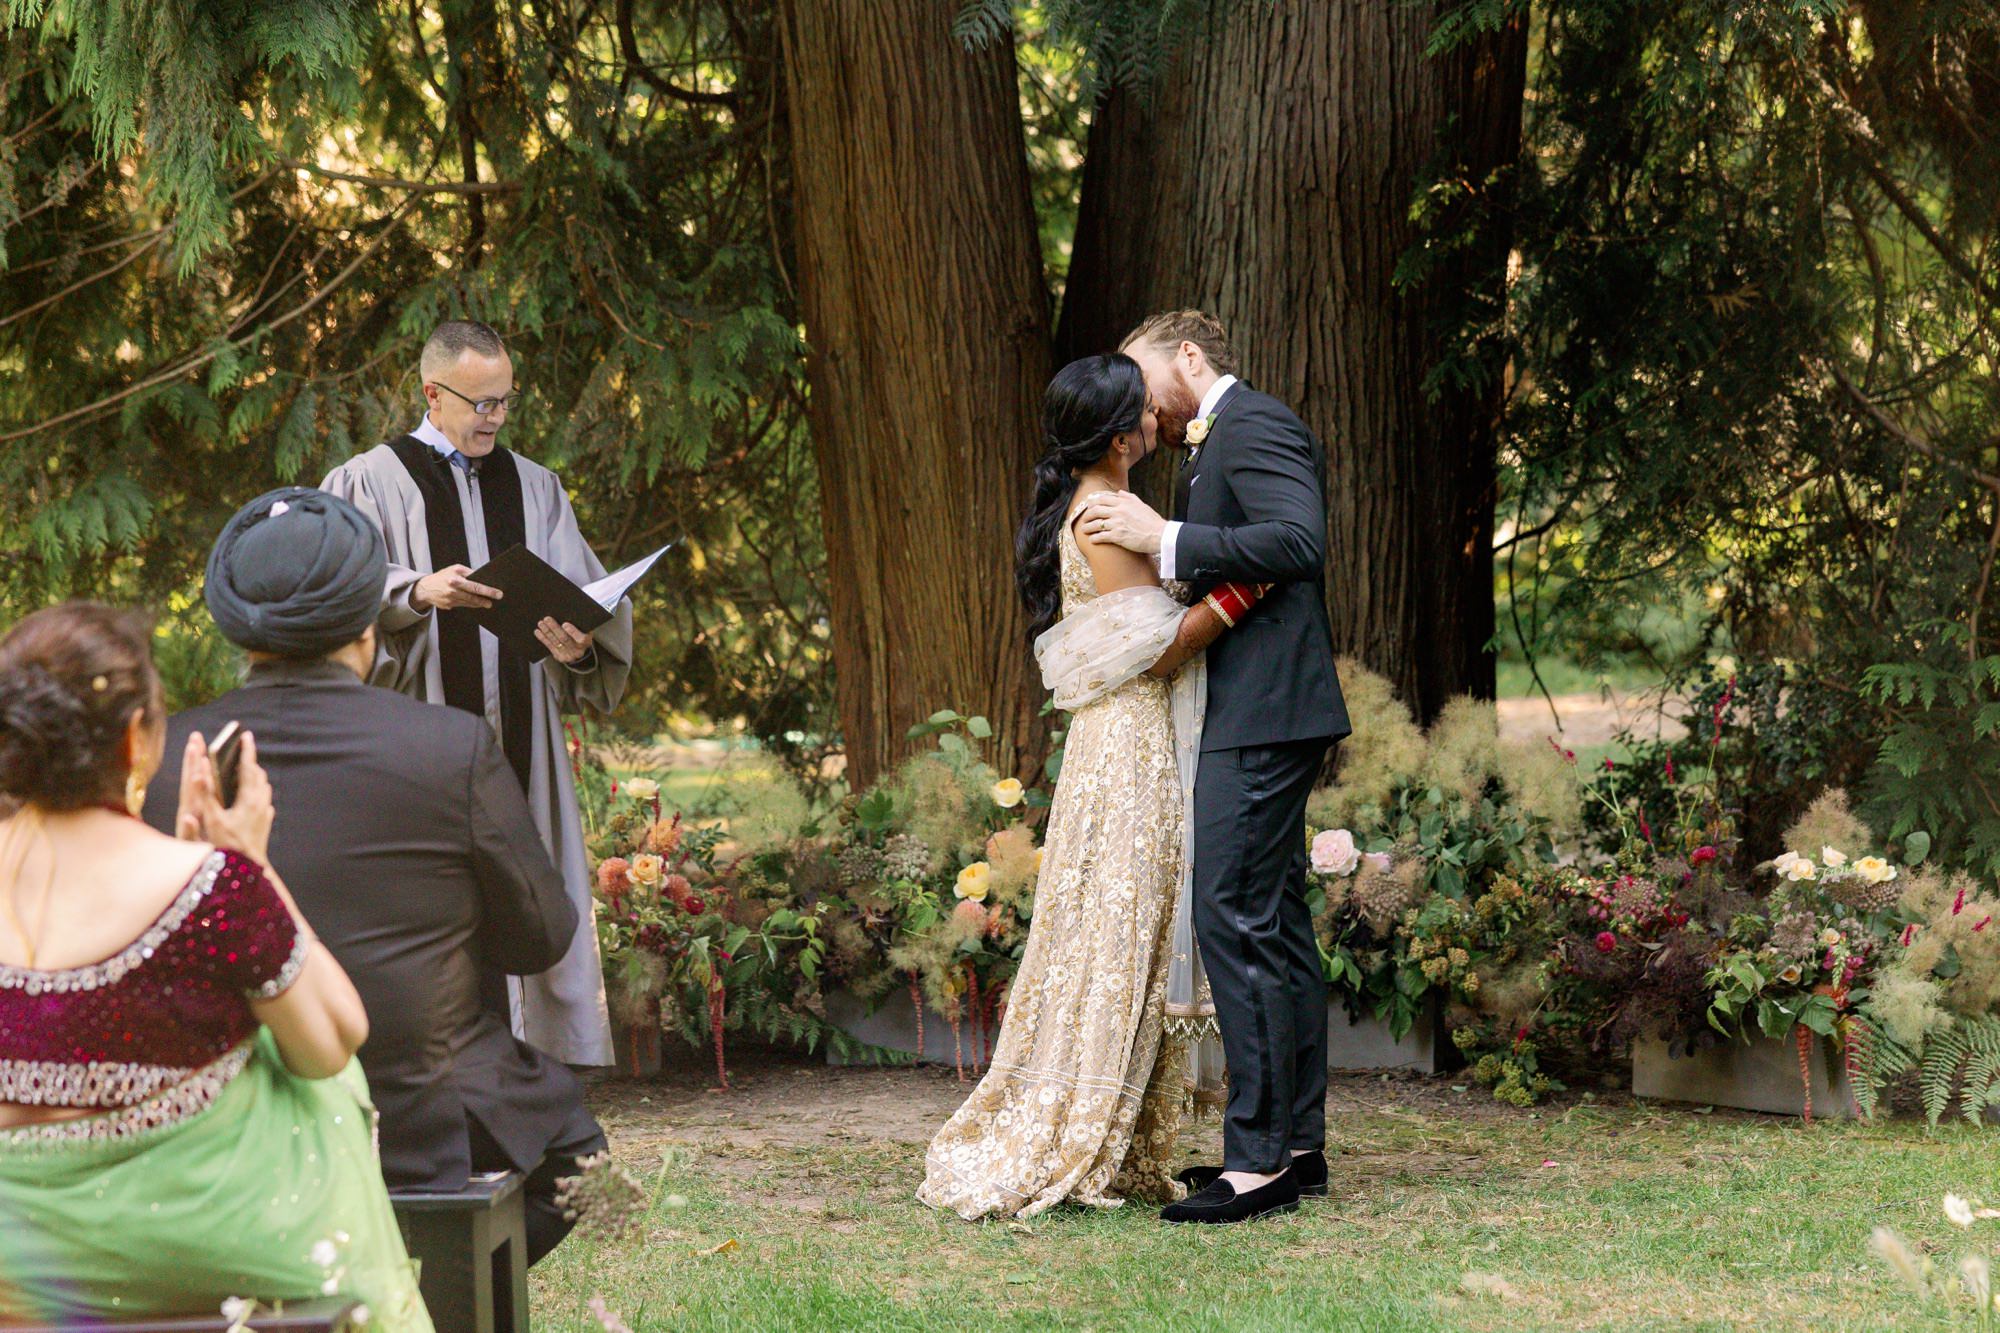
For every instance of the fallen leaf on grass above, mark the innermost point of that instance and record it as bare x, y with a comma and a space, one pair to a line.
1489, 1284
724, 1248
1021, 1228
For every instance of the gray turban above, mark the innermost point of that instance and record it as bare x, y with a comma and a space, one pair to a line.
297, 572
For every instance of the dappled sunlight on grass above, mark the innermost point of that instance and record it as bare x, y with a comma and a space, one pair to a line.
1447, 1212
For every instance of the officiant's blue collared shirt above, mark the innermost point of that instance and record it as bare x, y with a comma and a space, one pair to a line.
434, 437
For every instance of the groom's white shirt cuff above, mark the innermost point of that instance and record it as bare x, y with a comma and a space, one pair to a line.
1167, 536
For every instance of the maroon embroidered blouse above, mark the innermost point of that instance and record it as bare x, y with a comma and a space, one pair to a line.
166, 1017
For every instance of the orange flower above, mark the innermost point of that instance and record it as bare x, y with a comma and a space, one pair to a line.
664, 837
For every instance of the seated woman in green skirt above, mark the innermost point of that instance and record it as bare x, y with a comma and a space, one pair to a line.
182, 1124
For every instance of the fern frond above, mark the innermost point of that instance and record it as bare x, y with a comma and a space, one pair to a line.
1961, 1063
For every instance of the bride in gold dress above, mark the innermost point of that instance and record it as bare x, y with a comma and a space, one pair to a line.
1082, 1102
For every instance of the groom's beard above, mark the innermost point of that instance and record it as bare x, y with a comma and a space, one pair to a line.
1174, 410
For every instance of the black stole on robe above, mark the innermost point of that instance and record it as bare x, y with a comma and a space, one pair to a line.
458, 638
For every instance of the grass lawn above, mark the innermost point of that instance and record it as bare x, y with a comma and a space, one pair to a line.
1447, 1212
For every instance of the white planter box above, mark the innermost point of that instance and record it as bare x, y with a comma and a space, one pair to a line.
1761, 1075
1349, 1045
1366, 1044
893, 1026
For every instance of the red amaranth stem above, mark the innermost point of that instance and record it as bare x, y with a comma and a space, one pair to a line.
917, 1003
957, 1042
978, 1017
718, 998
1804, 1037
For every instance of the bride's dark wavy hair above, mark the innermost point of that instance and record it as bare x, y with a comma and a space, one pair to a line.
1089, 404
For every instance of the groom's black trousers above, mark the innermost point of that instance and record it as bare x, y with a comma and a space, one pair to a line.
1257, 946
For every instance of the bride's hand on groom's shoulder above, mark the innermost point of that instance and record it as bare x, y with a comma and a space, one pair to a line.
1123, 519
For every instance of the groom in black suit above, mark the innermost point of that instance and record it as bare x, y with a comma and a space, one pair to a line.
1250, 506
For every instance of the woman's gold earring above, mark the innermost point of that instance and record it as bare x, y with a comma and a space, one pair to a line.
135, 794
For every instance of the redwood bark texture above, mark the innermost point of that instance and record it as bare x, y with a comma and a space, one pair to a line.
1269, 180
928, 326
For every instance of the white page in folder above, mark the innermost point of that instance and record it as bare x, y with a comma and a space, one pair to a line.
607, 591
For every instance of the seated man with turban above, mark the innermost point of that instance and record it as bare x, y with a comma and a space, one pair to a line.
404, 835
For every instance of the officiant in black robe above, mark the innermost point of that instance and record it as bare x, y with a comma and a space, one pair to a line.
448, 497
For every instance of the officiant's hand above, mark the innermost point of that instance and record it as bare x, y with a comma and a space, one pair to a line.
449, 589
566, 643
1123, 519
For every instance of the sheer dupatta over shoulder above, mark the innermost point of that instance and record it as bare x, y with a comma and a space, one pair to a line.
1083, 657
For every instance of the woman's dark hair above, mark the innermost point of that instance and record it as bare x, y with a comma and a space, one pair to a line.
70, 679
1086, 406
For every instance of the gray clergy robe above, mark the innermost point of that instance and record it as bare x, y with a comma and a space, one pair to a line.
561, 1011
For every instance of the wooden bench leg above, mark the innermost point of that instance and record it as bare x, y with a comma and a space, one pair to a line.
456, 1287
508, 1266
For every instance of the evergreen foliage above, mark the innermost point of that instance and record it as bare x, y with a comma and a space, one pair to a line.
227, 228
1749, 354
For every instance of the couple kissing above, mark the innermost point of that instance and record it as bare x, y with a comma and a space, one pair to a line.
1196, 660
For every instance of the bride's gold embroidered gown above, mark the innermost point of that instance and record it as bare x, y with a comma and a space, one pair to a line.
1082, 1103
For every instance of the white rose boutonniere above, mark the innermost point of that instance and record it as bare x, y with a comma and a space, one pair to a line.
1197, 431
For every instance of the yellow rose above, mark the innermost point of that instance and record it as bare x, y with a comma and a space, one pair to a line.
1801, 869
647, 869
1197, 431
973, 882
1832, 858
1830, 937
642, 789
1007, 793
1875, 870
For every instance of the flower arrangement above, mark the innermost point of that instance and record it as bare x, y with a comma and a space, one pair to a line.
929, 883
684, 940
1447, 872
1416, 833
923, 886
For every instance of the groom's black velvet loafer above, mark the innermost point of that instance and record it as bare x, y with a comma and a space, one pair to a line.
1308, 1168
1220, 1203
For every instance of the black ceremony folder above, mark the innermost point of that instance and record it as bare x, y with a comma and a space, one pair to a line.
534, 589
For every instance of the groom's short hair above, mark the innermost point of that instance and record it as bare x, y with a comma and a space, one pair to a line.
1175, 327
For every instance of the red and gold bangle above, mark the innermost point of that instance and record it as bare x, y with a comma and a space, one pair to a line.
1233, 600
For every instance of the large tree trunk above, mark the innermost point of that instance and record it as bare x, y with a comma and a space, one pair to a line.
928, 324
1269, 181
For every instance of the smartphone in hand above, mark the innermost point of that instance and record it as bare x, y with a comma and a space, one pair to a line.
225, 753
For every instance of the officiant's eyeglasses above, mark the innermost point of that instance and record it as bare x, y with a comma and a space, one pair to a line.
483, 406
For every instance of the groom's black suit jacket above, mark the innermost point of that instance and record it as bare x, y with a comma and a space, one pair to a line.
1252, 501
405, 838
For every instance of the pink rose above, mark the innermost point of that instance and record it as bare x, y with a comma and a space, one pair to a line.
1606, 941
1334, 853
1702, 855
1379, 862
